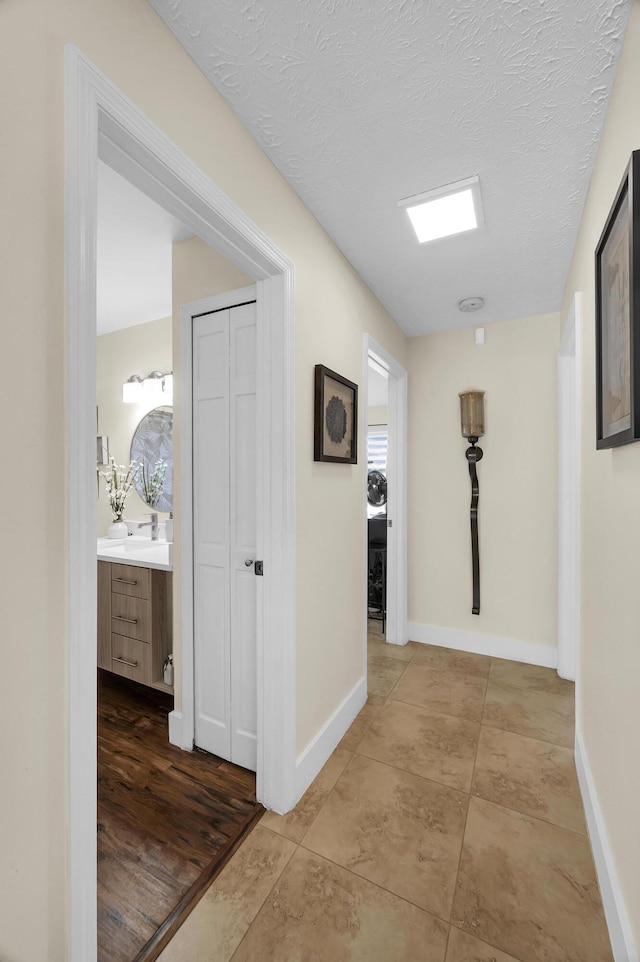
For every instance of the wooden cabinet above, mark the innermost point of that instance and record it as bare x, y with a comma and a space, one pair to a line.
134, 621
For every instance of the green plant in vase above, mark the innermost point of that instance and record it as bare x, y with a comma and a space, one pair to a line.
118, 480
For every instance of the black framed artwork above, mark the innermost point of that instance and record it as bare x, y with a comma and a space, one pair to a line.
618, 316
336, 417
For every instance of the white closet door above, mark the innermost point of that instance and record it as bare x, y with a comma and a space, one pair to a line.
224, 477
243, 536
212, 664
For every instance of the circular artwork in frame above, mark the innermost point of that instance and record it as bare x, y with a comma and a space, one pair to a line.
152, 442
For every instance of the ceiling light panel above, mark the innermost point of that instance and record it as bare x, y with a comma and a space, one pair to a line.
453, 209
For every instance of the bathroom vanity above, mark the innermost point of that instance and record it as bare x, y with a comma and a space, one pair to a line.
135, 609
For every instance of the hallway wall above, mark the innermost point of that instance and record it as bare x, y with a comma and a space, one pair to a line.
610, 639
518, 483
333, 309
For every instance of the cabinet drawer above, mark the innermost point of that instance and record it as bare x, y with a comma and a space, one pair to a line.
131, 580
131, 658
131, 617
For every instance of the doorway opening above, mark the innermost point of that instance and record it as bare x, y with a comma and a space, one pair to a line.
103, 124
221, 585
385, 487
377, 491
167, 820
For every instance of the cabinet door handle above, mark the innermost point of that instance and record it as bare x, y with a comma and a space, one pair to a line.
123, 581
130, 621
123, 661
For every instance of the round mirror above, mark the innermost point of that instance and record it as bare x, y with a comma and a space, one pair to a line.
152, 450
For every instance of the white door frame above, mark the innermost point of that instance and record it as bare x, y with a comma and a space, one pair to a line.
101, 121
396, 617
186, 721
569, 424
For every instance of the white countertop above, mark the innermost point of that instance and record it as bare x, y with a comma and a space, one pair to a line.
140, 552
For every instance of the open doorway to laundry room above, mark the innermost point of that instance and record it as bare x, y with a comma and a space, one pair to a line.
377, 496
385, 496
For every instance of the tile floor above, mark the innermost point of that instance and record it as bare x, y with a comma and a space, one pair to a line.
446, 827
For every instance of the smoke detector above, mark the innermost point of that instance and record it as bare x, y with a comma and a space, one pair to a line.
469, 304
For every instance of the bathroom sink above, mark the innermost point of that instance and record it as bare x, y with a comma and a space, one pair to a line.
129, 544
141, 551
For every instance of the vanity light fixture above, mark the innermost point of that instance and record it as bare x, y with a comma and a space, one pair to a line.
132, 389
152, 386
472, 427
443, 211
156, 388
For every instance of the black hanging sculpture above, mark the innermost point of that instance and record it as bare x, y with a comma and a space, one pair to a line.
472, 425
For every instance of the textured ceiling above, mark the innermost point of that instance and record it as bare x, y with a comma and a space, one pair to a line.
360, 103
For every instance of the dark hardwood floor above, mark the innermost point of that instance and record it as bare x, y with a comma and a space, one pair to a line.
168, 820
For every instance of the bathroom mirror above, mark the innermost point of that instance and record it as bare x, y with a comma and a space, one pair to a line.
152, 442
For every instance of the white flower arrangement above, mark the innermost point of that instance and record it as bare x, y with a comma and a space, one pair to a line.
118, 480
152, 480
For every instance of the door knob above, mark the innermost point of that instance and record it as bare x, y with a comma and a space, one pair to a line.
249, 562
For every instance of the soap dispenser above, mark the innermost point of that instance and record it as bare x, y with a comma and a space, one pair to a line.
167, 671
168, 527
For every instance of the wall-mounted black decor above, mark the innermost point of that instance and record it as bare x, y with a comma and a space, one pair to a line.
618, 316
472, 426
336, 418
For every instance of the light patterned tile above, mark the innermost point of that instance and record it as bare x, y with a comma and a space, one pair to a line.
530, 677
445, 690
383, 673
294, 824
465, 948
396, 829
362, 723
449, 658
424, 742
539, 714
379, 646
529, 888
216, 926
318, 912
529, 775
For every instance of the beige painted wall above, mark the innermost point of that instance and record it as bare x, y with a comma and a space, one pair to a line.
333, 309
610, 641
197, 272
378, 415
518, 515
133, 350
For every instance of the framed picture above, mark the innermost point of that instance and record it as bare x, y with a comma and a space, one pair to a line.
336, 418
618, 316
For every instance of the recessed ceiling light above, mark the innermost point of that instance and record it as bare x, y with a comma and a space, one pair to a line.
453, 209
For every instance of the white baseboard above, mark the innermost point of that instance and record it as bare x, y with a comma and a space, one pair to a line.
494, 645
622, 942
175, 731
309, 763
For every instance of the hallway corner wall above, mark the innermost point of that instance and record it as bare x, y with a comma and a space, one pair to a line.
517, 368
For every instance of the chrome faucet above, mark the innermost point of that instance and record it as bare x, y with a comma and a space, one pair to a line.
153, 523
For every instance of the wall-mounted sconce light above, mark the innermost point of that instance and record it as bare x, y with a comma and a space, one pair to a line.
132, 390
152, 387
472, 426
156, 388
